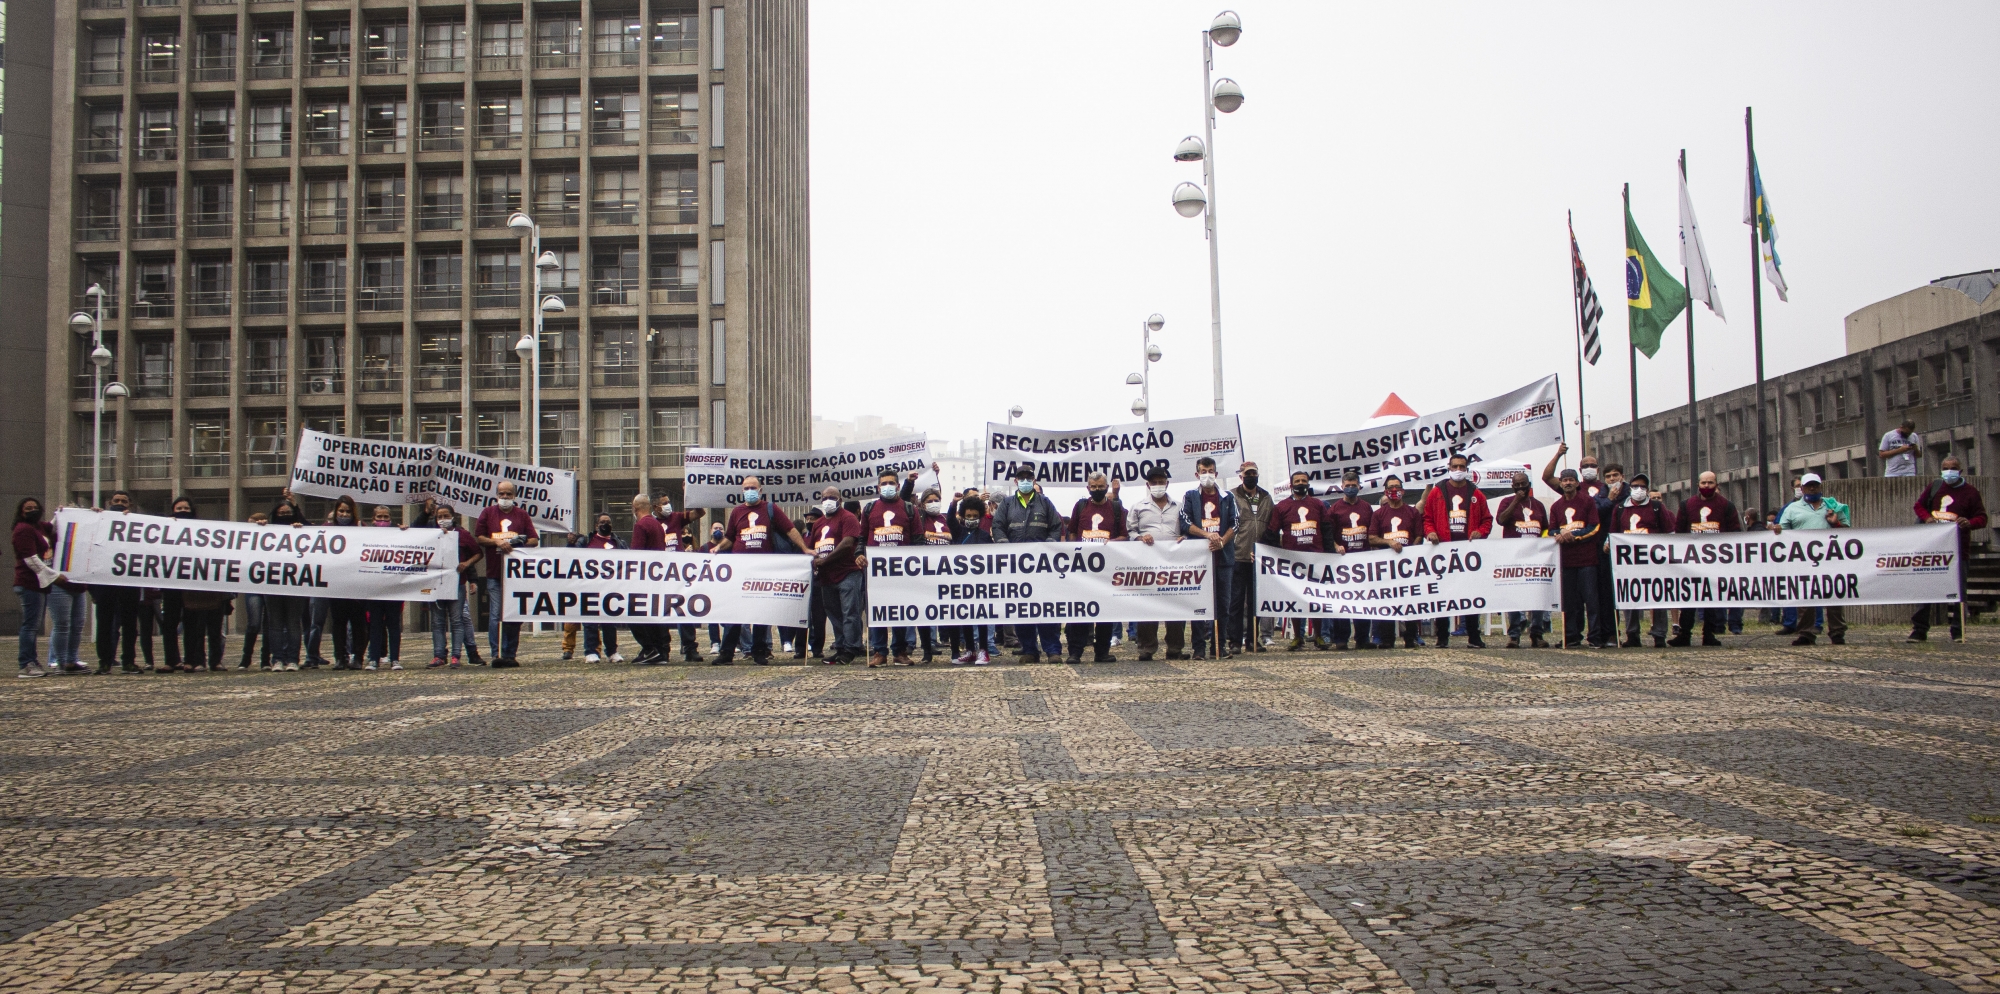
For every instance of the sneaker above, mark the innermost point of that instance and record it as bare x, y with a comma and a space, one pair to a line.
33, 670
1115, 640
981, 659
506, 663
965, 660
371, 665
616, 657
591, 657
437, 661
454, 664
1805, 638
395, 664
567, 656
1918, 637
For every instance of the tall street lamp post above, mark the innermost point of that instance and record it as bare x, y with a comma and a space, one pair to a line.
1217, 95
92, 324
1143, 379
529, 348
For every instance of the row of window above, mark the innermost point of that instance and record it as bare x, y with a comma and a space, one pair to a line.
497, 122
380, 202
669, 351
495, 44
617, 438
673, 276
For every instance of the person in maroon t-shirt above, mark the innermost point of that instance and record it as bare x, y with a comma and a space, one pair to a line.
1706, 513
841, 590
1455, 511
1641, 514
1951, 501
1345, 530
1097, 518
750, 530
1394, 526
1573, 521
1522, 516
649, 534
889, 521
503, 527
1298, 524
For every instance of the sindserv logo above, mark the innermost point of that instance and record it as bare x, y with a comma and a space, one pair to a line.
1209, 446
1524, 573
1526, 415
1922, 562
790, 588
397, 560
1162, 581
705, 459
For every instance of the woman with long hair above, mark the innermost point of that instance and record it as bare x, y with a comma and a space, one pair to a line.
385, 618
201, 613
42, 589
284, 616
347, 616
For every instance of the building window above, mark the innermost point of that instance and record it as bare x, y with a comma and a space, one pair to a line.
441, 426
271, 52
558, 42
268, 448
718, 352
676, 37
494, 364
152, 447
675, 428
208, 444
329, 125
676, 115
154, 211
558, 120
562, 436
326, 422
103, 58
154, 369
441, 123
269, 206
382, 361
385, 127
270, 130
443, 47
497, 432
501, 45
558, 198
214, 131
326, 364
383, 426
90, 446
215, 55
615, 360
614, 196
264, 364
718, 413
675, 276
497, 124
97, 221
718, 256
614, 116
329, 49
614, 436
382, 204
715, 115
676, 352
439, 359
616, 40
563, 281
325, 288
676, 200
386, 48
718, 210
208, 290
441, 202
440, 280
496, 279
160, 57
103, 274
381, 286
210, 208
270, 285
497, 197
559, 354
153, 288
159, 136
103, 133
614, 275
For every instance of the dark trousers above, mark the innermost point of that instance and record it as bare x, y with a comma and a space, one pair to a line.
1473, 623
653, 639
1386, 631
1208, 635
1920, 622
759, 637
1149, 637
170, 627
1603, 609
1713, 619
282, 624
136, 631
1579, 601
108, 616
1242, 604
1342, 629
318, 609
385, 630
202, 638
1095, 635
816, 597
348, 620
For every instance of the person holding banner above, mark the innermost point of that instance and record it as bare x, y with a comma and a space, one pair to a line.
1577, 527
1348, 521
750, 531
840, 585
451, 625
1029, 516
1155, 521
34, 580
1640, 514
118, 610
502, 527
1707, 512
596, 636
1814, 511
1253, 516
1209, 514
1951, 501
1095, 519
385, 618
982, 641
1300, 523
889, 521
1522, 516
1455, 511
1395, 525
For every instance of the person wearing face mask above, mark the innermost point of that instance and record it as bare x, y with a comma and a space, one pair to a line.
118, 610
1588, 480
254, 617
1814, 511
451, 626
889, 521
1953, 501
1154, 520
1522, 516
679, 527
981, 641
1299, 523
1253, 517
1394, 525
1095, 519
385, 618
1027, 515
1574, 522
1455, 511
651, 534
1208, 514
503, 527
752, 529
1706, 512
601, 536
1349, 519
1613, 494
201, 617
840, 587
1640, 513
34, 577
935, 528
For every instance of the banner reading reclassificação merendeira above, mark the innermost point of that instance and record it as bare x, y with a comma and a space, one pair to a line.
1121, 452
633, 587
1011, 583
785, 477
1918, 564
346, 563
1415, 582
1419, 450
377, 472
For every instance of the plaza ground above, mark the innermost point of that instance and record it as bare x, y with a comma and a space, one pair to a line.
1758, 817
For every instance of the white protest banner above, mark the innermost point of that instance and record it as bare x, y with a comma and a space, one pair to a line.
1419, 450
1419, 581
349, 563
405, 473
1121, 452
715, 476
1040, 583
1918, 564
628, 587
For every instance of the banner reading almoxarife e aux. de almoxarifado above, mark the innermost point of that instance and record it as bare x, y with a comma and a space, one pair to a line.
1414, 582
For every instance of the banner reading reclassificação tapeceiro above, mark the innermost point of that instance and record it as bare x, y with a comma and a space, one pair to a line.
1415, 582
346, 563
790, 478
1011, 583
1918, 564
631, 587
377, 472
1419, 450
1121, 452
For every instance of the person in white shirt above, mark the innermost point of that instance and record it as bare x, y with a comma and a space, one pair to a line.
1156, 519
1899, 450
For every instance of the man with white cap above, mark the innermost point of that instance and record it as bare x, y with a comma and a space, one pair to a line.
1814, 511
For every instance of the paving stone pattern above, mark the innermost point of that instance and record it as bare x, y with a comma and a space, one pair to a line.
1754, 818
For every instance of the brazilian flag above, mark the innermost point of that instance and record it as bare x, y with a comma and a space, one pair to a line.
1653, 298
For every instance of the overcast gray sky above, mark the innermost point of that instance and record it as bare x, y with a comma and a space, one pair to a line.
991, 216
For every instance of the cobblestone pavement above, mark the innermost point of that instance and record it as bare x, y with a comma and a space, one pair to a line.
1753, 818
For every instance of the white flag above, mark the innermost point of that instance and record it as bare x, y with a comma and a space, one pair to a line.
1694, 257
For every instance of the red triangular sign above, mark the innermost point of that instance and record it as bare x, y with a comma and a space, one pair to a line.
1393, 407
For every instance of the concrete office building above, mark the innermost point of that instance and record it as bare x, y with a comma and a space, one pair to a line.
298, 212
1931, 355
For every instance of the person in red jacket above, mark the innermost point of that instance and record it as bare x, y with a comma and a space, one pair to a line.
1641, 514
1705, 513
1455, 511
1953, 501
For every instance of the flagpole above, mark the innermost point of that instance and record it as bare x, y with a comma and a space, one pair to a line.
1632, 361
1757, 320
1576, 311
1694, 433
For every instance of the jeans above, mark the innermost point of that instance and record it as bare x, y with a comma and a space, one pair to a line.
1042, 639
253, 625
1579, 601
1210, 634
32, 604
1791, 618
282, 617
1531, 623
847, 609
978, 637
1242, 603
451, 625
504, 637
1633, 620
68, 610
1097, 636
1149, 637
882, 637
760, 641
597, 637
317, 610
385, 630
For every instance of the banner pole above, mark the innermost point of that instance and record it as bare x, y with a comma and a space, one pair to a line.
1576, 312
1694, 433
1632, 360
1757, 319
